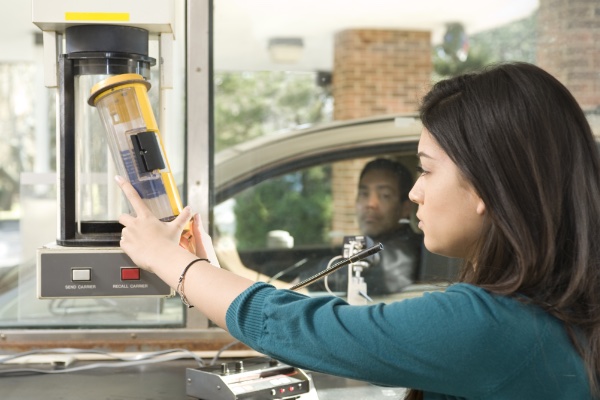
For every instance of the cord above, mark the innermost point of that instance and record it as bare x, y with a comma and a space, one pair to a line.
326, 279
222, 349
139, 359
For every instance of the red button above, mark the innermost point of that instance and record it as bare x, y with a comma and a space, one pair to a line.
130, 274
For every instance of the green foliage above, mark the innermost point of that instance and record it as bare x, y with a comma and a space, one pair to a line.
515, 41
299, 203
477, 57
252, 104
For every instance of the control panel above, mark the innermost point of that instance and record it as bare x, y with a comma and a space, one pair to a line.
259, 378
72, 272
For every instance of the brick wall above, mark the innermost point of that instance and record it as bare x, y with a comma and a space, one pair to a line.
376, 72
569, 46
379, 71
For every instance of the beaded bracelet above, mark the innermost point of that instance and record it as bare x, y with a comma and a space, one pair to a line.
179, 289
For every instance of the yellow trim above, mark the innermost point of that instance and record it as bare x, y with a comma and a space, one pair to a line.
151, 125
115, 82
96, 16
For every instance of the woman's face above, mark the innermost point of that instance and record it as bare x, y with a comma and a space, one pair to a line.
451, 214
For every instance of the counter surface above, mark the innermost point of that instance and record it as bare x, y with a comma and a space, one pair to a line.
160, 381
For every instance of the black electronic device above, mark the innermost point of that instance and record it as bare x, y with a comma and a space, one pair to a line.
259, 378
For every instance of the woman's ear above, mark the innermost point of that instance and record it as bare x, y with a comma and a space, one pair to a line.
480, 206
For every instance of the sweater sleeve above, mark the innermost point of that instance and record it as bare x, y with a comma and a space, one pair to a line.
463, 339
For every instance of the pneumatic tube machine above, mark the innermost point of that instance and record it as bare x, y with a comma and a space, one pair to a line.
86, 260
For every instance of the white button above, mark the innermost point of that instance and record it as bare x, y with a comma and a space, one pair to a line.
81, 274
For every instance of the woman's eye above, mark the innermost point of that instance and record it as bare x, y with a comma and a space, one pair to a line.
420, 170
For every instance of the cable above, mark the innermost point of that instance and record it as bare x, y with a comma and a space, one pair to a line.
326, 279
222, 349
139, 359
64, 307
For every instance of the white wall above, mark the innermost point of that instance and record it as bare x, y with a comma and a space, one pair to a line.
16, 31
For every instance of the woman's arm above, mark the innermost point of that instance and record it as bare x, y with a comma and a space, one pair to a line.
154, 246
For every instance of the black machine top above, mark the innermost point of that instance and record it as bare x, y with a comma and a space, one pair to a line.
106, 39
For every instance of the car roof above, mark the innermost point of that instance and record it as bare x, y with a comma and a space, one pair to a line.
248, 163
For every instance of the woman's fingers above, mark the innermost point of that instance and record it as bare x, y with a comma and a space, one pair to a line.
183, 218
132, 195
126, 219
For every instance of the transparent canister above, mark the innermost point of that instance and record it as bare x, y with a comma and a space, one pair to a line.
135, 142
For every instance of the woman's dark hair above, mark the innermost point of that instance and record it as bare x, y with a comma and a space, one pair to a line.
403, 175
520, 138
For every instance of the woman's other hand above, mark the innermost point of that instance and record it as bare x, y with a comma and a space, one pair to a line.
203, 241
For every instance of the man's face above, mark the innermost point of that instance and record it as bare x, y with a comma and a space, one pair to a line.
378, 204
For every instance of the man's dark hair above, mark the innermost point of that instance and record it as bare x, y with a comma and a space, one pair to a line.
403, 175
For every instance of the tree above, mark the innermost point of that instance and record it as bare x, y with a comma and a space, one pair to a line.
252, 104
299, 203
515, 41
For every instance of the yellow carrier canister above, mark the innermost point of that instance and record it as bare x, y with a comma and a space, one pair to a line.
135, 142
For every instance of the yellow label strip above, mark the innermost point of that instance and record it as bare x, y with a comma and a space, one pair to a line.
96, 16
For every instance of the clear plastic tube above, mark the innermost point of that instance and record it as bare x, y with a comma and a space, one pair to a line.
136, 144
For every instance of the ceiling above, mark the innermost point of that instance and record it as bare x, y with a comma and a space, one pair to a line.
244, 27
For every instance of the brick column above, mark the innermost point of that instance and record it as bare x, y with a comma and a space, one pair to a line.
569, 46
375, 72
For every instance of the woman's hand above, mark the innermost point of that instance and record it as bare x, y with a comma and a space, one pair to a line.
145, 238
154, 246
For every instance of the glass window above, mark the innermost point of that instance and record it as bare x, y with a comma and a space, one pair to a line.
292, 213
304, 95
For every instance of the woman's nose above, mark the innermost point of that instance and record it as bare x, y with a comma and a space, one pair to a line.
414, 195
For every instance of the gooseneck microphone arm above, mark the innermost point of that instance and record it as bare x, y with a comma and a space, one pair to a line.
353, 258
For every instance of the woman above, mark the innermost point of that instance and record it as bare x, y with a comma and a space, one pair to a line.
509, 183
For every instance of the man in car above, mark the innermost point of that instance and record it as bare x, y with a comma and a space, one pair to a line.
383, 213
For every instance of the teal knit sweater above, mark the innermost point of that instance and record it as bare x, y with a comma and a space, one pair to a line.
464, 343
